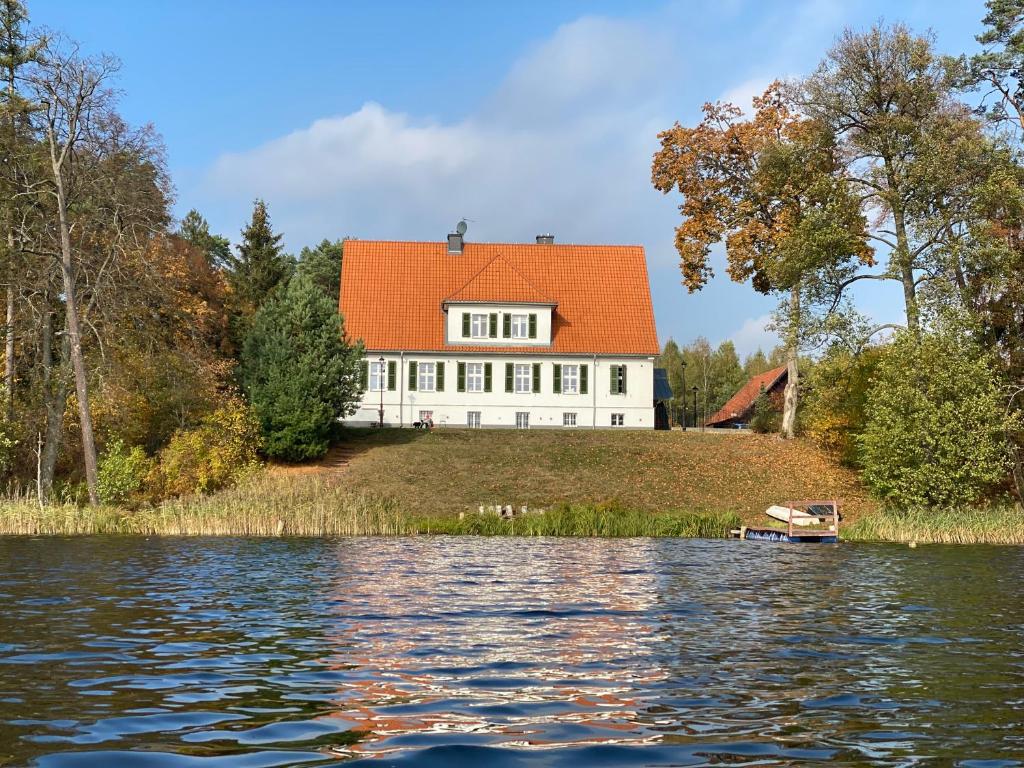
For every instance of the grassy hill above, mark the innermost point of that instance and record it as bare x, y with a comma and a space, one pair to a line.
450, 471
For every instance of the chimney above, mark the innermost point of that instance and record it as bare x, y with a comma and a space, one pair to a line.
545, 239
454, 243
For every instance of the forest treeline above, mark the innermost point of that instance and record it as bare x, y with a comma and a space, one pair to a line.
143, 357
893, 163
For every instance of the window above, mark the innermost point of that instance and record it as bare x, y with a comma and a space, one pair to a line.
474, 377
520, 326
570, 379
524, 378
426, 415
618, 379
478, 326
618, 419
426, 377
522, 420
568, 419
377, 376
473, 419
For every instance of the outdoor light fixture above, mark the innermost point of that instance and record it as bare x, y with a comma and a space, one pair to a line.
695, 406
380, 385
683, 395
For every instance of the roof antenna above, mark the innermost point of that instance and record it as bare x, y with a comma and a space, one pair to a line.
461, 227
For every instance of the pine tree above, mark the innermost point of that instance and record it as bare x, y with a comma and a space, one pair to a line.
217, 249
323, 265
298, 372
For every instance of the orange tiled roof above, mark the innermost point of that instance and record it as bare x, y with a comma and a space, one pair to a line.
392, 293
739, 404
500, 282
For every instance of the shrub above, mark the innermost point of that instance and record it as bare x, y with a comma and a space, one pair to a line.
122, 473
216, 454
834, 411
766, 416
935, 430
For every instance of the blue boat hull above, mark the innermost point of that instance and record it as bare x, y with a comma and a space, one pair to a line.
796, 538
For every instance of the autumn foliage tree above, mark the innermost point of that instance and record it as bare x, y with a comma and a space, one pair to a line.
768, 187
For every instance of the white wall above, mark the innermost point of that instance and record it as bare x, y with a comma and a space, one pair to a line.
453, 323
498, 408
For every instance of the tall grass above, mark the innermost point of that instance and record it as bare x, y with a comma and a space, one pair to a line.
270, 505
1000, 525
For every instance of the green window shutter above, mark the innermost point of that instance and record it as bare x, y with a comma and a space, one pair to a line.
439, 377
536, 377
487, 377
492, 325
465, 325
557, 382
583, 379
413, 371
622, 379
506, 326
614, 386
510, 375
460, 384
364, 376
392, 375
533, 326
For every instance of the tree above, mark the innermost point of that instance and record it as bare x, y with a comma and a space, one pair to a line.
1000, 64
216, 249
17, 49
671, 359
322, 265
261, 264
769, 187
936, 422
298, 371
727, 375
756, 364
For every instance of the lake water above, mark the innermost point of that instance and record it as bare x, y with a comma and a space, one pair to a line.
506, 652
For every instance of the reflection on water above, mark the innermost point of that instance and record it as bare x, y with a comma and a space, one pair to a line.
448, 651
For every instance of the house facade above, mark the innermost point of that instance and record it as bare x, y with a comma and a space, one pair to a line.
492, 335
739, 409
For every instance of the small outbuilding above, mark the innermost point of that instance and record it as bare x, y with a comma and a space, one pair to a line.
739, 410
662, 398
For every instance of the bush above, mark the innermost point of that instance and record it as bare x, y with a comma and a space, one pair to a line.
214, 455
935, 430
766, 416
834, 411
122, 473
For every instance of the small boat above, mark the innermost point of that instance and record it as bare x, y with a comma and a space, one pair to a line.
802, 514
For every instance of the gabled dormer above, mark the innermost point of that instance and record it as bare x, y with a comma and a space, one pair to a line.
498, 306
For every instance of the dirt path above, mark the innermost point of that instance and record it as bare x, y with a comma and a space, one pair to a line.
332, 466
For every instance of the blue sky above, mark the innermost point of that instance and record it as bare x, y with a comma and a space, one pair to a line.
394, 120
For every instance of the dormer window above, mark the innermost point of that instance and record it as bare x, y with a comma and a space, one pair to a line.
520, 326
479, 327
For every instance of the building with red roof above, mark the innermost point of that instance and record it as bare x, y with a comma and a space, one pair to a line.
739, 409
501, 334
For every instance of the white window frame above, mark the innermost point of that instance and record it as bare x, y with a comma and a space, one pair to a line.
520, 326
473, 419
474, 377
620, 418
523, 378
479, 326
570, 379
378, 376
522, 419
426, 377
569, 419
424, 415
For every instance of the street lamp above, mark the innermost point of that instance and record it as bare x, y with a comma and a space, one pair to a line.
683, 394
695, 406
380, 385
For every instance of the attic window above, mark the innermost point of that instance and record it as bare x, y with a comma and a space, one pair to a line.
478, 328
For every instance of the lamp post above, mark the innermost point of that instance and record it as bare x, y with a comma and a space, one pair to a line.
380, 385
695, 406
683, 398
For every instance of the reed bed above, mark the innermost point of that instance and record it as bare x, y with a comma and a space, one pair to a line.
270, 505
998, 525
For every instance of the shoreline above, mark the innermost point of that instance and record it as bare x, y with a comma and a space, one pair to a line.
332, 513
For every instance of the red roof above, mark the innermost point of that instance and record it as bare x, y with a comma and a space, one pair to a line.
739, 405
392, 293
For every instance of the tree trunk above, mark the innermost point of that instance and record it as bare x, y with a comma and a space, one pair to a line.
904, 263
74, 336
55, 399
9, 340
791, 396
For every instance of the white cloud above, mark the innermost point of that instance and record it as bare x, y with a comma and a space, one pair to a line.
742, 94
753, 335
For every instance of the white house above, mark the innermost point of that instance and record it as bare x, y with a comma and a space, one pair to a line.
532, 335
